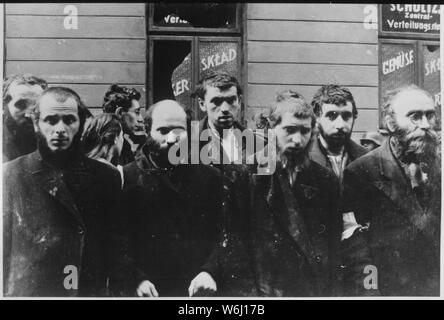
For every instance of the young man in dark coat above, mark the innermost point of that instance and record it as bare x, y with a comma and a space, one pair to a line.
175, 212
58, 208
20, 93
222, 136
336, 112
293, 219
392, 199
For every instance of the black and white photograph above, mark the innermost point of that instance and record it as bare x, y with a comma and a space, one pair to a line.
206, 151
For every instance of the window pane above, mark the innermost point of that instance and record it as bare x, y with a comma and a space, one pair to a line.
172, 71
432, 70
197, 15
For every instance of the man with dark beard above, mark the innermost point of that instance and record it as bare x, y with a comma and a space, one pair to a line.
20, 93
393, 201
174, 211
294, 224
336, 111
58, 208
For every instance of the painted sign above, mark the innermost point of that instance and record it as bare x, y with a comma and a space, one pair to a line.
410, 18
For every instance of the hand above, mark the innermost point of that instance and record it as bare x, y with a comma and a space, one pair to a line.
147, 289
203, 281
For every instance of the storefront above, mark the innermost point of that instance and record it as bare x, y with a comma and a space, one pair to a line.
163, 49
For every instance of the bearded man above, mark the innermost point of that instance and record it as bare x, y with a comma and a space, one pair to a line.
58, 208
294, 225
174, 212
392, 204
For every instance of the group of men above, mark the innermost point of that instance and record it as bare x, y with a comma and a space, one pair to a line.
328, 219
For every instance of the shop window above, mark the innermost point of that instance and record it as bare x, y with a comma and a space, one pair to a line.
199, 39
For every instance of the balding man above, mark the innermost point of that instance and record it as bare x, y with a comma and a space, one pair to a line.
393, 204
175, 210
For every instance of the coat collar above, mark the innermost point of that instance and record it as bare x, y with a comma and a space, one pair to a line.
319, 154
51, 180
396, 186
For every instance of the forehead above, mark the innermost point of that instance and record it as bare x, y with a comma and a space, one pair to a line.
24, 89
411, 100
168, 115
288, 119
49, 105
216, 92
326, 107
135, 104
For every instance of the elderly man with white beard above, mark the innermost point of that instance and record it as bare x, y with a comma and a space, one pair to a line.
392, 203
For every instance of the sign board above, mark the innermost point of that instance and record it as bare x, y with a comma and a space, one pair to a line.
431, 75
397, 68
422, 19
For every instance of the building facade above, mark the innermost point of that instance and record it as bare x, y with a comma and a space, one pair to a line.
162, 49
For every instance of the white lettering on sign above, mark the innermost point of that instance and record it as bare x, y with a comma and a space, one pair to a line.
174, 19
218, 59
437, 98
71, 21
432, 66
180, 87
418, 8
402, 60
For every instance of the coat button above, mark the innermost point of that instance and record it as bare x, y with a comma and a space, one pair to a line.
318, 259
80, 231
322, 228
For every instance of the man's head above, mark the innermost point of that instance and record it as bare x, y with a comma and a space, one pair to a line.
20, 93
293, 121
59, 117
219, 96
411, 118
336, 112
166, 125
124, 102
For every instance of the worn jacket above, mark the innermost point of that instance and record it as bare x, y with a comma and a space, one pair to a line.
51, 227
295, 233
402, 238
318, 154
175, 218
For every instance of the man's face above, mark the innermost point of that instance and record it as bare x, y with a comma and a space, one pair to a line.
23, 99
132, 119
169, 127
414, 122
336, 123
221, 107
293, 135
58, 123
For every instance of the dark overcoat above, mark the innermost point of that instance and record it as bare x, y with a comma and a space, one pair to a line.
50, 225
295, 233
402, 240
175, 224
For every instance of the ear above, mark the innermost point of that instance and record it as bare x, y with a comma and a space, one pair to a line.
389, 123
119, 111
202, 104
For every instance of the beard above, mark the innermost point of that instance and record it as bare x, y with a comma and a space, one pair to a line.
293, 157
337, 140
157, 153
418, 146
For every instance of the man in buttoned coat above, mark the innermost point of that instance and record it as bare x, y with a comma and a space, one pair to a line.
294, 224
57, 210
392, 198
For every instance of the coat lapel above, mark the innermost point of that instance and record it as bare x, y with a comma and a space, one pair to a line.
395, 185
288, 211
52, 182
